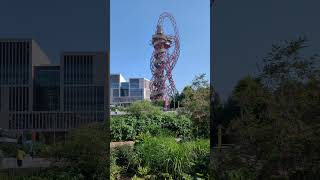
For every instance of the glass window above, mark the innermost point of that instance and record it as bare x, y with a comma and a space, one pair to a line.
124, 92
114, 85
134, 83
125, 85
136, 92
115, 93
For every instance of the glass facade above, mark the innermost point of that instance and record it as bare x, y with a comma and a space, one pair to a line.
115, 81
136, 92
47, 88
134, 83
124, 90
115, 92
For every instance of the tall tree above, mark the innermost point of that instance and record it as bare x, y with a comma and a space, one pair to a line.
277, 129
196, 103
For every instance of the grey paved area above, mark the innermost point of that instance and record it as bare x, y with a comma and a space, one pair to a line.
27, 162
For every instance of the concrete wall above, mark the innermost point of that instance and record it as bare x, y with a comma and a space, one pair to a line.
38, 56
4, 113
100, 68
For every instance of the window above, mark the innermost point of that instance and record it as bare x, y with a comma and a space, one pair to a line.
124, 92
136, 92
115, 93
114, 85
134, 83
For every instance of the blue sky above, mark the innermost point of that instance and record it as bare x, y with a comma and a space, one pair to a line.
133, 23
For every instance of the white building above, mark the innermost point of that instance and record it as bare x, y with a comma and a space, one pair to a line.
125, 92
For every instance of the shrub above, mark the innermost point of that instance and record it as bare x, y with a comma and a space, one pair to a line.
128, 127
201, 157
180, 125
41, 150
9, 149
123, 127
126, 158
85, 151
115, 170
143, 109
239, 174
165, 155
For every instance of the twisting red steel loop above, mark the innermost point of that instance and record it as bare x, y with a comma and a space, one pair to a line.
162, 61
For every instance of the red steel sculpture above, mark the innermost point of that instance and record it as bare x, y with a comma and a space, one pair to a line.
164, 58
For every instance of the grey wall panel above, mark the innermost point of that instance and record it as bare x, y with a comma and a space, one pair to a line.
38, 56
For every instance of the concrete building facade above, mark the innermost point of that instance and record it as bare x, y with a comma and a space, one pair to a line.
37, 96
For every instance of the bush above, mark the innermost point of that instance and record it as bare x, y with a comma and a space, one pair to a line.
85, 151
201, 157
143, 109
123, 127
128, 127
115, 170
126, 158
165, 155
180, 125
9, 149
239, 174
41, 150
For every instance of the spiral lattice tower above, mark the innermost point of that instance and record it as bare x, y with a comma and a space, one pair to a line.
163, 61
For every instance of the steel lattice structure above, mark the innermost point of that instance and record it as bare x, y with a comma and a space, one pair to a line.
162, 61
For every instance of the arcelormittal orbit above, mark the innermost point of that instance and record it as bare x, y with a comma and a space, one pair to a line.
164, 58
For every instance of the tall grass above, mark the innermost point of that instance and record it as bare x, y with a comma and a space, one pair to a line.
165, 155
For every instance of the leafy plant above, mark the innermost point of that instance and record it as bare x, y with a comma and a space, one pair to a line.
143, 109
164, 154
128, 127
85, 151
143, 171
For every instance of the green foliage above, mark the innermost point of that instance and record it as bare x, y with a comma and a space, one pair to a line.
161, 158
146, 118
143, 171
285, 63
127, 159
164, 154
115, 170
240, 174
85, 152
180, 125
41, 150
135, 177
9, 149
123, 127
196, 103
128, 127
157, 154
143, 109
276, 124
177, 98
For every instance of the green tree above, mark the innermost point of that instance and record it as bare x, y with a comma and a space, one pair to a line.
143, 108
277, 125
86, 152
196, 103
